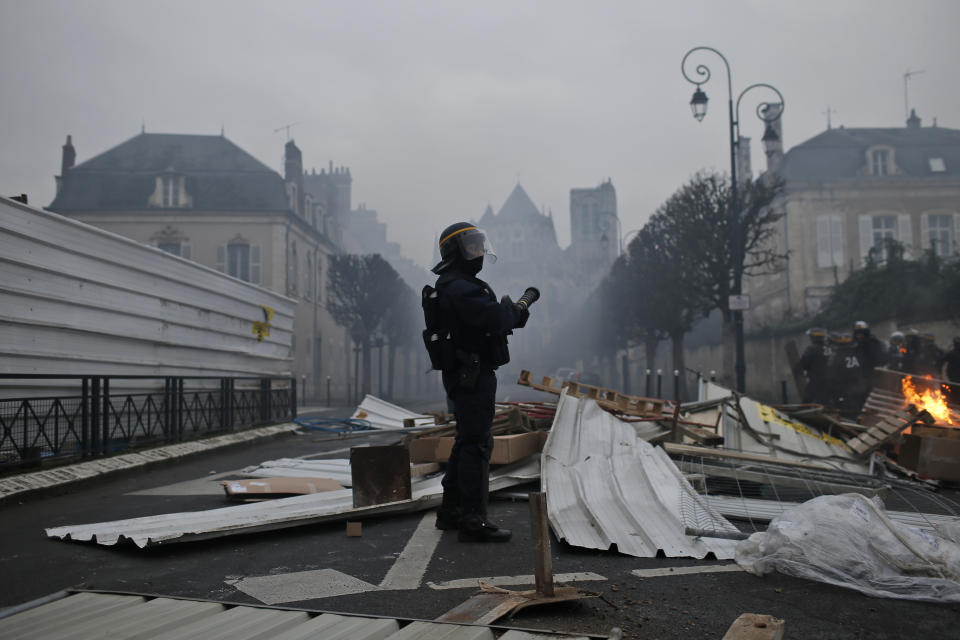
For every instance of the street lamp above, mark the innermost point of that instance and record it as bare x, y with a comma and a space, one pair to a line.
768, 112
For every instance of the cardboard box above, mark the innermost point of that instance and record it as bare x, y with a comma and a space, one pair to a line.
505, 448
354, 529
934, 457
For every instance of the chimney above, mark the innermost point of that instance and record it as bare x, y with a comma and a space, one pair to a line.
67, 160
913, 122
773, 136
744, 168
293, 172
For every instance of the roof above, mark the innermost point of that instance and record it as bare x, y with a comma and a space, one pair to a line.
519, 206
219, 176
841, 153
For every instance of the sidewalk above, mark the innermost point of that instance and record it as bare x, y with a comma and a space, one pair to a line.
27, 483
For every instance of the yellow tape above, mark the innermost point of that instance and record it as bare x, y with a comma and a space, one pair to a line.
455, 233
769, 414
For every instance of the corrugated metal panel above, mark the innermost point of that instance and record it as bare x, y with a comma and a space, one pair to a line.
337, 469
383, 415
775, 438
74, 297
273, 514
125, 617
607, 486
766, 510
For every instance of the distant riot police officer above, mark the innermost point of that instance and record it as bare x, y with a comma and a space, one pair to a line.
466, 338
813, 363
867, 353
952, 359
897, 351
929, 356
843, 371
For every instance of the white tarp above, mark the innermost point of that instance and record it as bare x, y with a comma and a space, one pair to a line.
848, 540
383, 415
607, 486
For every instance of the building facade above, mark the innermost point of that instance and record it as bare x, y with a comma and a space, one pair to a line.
849, 190
205, 199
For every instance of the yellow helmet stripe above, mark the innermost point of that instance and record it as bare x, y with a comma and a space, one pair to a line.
455, 233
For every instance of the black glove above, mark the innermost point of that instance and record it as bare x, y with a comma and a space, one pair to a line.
520, 310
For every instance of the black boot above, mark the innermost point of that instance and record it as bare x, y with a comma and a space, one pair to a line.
448, 515
474, 528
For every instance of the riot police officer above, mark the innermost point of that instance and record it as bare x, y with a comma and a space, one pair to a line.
952, 360
813, 363
471, 338
868, 353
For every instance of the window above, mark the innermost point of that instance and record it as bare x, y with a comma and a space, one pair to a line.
292, 270
878, 229
240, 260
172, 241
308, 292
170, 247
880, 162
937, 165
939, 227
883, 227
171, 191
829, 241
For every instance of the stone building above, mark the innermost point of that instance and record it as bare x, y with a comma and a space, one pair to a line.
205, 199
847, 191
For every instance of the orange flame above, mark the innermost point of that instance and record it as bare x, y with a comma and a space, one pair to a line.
933, 401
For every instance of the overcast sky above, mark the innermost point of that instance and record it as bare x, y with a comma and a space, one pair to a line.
440, 107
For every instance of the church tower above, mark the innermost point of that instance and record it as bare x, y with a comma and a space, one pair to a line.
594, 226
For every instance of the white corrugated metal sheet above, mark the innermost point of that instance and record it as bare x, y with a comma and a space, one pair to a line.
128, 617
606, 486
273, 514
74, 298
766, 510
336, 469
778, 436
383, 415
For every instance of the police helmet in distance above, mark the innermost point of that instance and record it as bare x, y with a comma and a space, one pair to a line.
817, 334
897, 338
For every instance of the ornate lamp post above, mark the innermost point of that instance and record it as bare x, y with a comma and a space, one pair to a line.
768, 112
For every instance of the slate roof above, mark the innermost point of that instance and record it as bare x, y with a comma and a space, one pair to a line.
840, 154
518, 206
219, 176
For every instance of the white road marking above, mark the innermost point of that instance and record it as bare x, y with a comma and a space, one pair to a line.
408, 569
682, 571
301, 585
502, 581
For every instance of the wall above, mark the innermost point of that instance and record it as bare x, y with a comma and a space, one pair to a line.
76, 300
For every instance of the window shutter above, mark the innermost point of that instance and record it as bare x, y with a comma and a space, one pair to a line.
185, 250
905, 234
866, 237
221, 257
955, 236
823, 241
924, 233
255, 264
836, 235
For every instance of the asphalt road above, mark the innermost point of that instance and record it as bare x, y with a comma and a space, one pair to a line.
700, 605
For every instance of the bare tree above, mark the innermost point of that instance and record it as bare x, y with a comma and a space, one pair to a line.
361, 290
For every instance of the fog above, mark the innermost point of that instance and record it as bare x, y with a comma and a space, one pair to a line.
440, 108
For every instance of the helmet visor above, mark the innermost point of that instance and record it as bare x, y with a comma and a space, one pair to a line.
474, 244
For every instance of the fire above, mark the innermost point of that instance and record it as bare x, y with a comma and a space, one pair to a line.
932, 400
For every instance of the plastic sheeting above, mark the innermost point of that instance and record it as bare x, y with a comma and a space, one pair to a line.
849, 541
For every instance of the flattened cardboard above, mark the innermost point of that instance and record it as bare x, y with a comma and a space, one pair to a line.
937, 458
506, 449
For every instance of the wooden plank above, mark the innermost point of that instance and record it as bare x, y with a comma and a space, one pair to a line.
542, 560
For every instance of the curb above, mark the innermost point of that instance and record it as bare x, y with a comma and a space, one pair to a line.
38, 481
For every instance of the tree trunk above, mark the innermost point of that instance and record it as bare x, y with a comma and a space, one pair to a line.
650, 343
728, 377
367, 384
676, 340
391, 357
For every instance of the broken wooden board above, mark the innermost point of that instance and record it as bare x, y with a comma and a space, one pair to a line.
268, 488
755, 626
607, 398
886, 429
493, 603
381, 474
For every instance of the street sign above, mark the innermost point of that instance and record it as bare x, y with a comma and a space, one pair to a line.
739, 303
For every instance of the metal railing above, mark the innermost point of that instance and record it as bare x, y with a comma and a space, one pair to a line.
81, 417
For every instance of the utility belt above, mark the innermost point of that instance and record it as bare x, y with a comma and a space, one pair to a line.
470, 364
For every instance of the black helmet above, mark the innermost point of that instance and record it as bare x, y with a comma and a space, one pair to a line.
463, 241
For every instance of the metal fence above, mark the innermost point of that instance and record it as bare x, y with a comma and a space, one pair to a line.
83, 418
